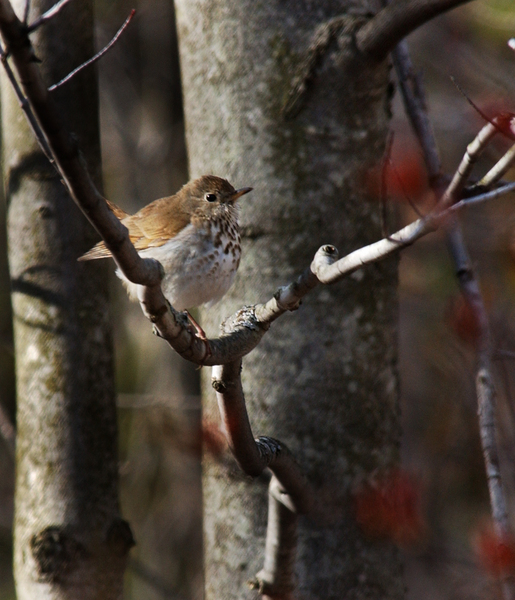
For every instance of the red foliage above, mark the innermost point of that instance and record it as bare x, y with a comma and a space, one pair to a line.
406, 177
506, 124
391, 508
496, 110
213, 440
463, 320
496, 552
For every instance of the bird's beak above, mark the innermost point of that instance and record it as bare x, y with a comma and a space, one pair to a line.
238, 193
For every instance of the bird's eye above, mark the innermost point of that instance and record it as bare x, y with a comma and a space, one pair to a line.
210, 197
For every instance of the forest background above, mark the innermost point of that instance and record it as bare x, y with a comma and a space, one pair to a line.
144, 158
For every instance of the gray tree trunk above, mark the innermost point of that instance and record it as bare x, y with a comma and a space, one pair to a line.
70, 541
324, 380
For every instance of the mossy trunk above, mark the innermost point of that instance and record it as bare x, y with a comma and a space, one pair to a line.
70, 541
324, 380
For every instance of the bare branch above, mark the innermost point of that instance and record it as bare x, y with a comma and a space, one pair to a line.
244, 329
501, 122
485, 389
289, 490
97, 56
50, 13
394, 22
252, 455
414, 103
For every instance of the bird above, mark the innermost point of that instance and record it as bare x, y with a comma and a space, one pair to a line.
195, 236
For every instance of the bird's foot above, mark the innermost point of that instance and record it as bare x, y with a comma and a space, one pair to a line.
200, 333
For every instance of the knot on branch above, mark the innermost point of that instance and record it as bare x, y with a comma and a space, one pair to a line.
244, 318
268, 448
219, 386
55, 552
325, 257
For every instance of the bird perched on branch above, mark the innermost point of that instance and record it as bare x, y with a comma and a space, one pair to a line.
193, 234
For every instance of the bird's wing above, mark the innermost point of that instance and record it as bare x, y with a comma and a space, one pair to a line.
100, 250
145, 230
117, 211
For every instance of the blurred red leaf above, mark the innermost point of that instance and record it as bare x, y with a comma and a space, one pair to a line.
506, 123
213, 440
390, 508
496, 552
406, 177
463, 320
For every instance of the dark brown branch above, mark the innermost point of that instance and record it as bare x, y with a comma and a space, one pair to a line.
289, 491
414, 104
377, 38
97, 56
255, 455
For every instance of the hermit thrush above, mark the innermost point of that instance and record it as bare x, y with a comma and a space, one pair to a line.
193, 234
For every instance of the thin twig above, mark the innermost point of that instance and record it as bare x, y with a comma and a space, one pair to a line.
97, 56
493, 121
49, 14
405, 191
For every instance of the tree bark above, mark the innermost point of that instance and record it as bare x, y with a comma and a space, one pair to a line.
70, 541
324, 380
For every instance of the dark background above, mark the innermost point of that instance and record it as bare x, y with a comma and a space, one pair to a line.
144, 158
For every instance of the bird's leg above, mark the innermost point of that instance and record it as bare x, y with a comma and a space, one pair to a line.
200, 332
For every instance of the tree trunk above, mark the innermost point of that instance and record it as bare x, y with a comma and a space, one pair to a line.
324, 380
70, 541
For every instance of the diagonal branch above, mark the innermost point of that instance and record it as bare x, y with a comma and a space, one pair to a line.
379, 36
485, 388
49, 14
97, 56
249, 324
